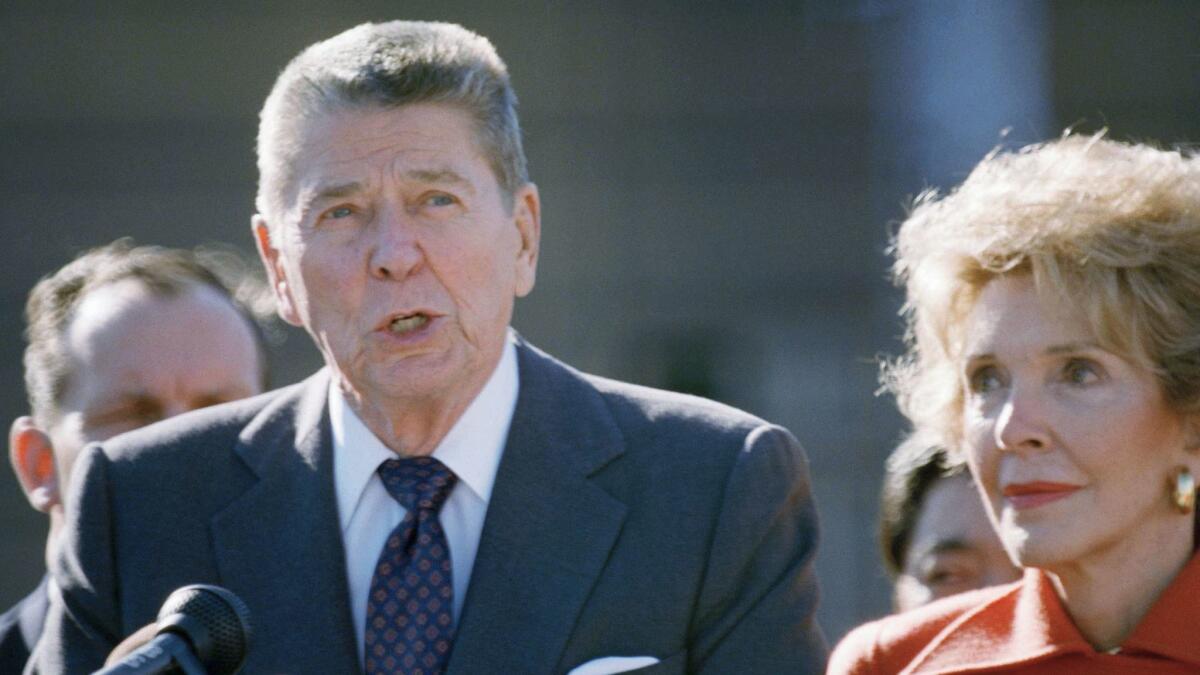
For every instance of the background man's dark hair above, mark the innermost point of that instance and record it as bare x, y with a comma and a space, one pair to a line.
912, 469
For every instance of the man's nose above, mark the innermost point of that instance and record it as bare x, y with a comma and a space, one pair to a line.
1021, 424
395, 251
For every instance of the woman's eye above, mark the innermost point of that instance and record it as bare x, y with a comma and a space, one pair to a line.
1080, 371
985, 379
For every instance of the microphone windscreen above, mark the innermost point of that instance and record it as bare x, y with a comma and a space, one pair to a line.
224, 621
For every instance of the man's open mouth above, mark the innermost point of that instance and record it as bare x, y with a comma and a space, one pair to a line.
408, 323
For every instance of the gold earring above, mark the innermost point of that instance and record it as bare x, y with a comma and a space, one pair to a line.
1183, 490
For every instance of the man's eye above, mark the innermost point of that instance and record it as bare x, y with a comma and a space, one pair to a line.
942, 577
953, 572
340, 212
440, 200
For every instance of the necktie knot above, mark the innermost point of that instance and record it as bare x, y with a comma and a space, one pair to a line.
418, 483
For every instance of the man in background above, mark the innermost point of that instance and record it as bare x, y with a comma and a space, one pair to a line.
121, 337
934, 533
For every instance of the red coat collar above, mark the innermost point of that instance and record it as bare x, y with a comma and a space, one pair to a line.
1029, 624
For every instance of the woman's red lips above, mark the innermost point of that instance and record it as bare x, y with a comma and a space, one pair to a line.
1037, 493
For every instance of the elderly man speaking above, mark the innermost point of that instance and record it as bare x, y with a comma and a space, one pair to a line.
442, 496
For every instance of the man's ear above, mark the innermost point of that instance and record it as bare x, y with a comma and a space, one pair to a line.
32, 456
268, 252
527, 214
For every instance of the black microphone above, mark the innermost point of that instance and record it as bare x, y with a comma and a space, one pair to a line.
202, 630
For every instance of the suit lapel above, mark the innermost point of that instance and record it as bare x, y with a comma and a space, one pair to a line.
279, 545
548, 530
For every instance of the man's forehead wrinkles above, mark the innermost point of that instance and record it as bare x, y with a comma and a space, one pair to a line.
356, 156
346, 175
398, 158
369, 137
325, 155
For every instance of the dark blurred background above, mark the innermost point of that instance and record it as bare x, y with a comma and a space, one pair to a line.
719, 179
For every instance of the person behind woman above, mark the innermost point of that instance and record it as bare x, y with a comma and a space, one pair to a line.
934, 535
1053, 306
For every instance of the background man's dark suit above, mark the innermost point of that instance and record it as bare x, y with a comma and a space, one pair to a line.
624, 521
20, 628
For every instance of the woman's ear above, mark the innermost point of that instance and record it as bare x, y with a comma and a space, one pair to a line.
32, 457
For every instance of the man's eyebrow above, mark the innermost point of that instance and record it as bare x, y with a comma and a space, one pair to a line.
310, 197
334, 191
228, 392
331, 191
117, 400
950, 546
437, 176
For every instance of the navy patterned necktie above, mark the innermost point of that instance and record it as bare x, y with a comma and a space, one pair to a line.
410, 622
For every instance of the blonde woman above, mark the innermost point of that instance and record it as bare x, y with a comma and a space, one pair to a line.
1053, 306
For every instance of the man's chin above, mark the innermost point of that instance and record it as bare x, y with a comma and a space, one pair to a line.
415, 376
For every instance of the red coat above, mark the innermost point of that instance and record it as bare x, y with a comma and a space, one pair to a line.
1023, 628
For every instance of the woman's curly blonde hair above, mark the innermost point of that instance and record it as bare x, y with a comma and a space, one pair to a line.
1111, 228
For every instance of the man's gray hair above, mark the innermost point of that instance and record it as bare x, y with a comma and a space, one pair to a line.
390, 65
166, 272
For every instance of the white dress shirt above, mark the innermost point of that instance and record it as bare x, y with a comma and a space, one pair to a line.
368, 514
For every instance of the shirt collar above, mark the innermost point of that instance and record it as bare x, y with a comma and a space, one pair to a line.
471, 449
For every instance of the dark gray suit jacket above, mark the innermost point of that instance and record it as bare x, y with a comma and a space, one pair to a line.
624, 521
20, 628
